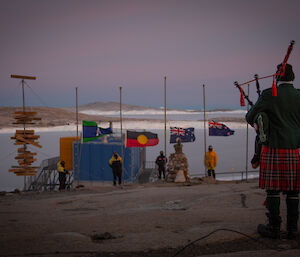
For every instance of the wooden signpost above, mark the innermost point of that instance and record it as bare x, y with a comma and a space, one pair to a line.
25, 137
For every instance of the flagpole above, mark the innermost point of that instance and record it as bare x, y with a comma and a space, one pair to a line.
121, 125
165, 91
247, 139
204, 120
24, 128
77, 141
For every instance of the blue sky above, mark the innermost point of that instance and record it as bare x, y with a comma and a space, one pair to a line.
99, 46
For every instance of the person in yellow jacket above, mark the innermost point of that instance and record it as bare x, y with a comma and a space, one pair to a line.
211, 161
116, 164
62, 174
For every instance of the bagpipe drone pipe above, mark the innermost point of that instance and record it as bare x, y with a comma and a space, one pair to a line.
280, 73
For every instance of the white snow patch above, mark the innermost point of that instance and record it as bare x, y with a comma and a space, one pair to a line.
139, 125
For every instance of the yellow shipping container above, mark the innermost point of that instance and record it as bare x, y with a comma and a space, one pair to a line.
66, 151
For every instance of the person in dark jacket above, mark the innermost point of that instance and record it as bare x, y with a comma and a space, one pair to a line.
161, 161
116, 164
62, 173
279, 158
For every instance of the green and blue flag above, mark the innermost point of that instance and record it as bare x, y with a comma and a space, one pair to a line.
91, 131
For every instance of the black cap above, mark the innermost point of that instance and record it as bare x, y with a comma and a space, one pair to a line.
288, 75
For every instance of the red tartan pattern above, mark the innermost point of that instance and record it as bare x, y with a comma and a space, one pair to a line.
279, 169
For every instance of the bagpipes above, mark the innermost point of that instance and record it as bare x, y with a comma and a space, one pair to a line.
279, 73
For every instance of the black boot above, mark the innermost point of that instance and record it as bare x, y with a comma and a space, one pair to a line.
292, 204
272, 229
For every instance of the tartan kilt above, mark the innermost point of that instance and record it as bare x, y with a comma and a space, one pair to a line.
279, 169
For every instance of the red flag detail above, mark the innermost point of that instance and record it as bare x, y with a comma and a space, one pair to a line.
242, 98
274, 89
141, 139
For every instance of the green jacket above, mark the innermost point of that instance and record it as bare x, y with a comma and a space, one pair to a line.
283, 112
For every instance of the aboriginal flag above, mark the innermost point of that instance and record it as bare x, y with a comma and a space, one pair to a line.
141, 139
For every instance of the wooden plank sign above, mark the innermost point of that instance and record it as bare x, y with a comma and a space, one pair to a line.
24, 156
26, 131
25, 137
27, 141
22, 77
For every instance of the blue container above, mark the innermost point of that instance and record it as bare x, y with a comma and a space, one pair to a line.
95, 155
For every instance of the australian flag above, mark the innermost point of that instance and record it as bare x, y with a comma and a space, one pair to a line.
185, 134
219, 129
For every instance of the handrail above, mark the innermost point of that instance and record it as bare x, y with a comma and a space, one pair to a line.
242, 172
47, 177
150, 164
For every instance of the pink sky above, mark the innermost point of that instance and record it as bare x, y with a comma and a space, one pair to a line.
101, 45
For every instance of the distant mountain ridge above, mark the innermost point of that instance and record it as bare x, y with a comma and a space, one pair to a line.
52, 116
113, 106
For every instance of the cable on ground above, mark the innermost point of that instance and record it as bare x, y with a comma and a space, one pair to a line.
228, 230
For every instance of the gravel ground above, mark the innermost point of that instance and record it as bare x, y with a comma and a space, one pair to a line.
140, 220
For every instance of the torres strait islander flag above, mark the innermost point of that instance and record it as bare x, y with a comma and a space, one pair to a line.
91, 131
141, 139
